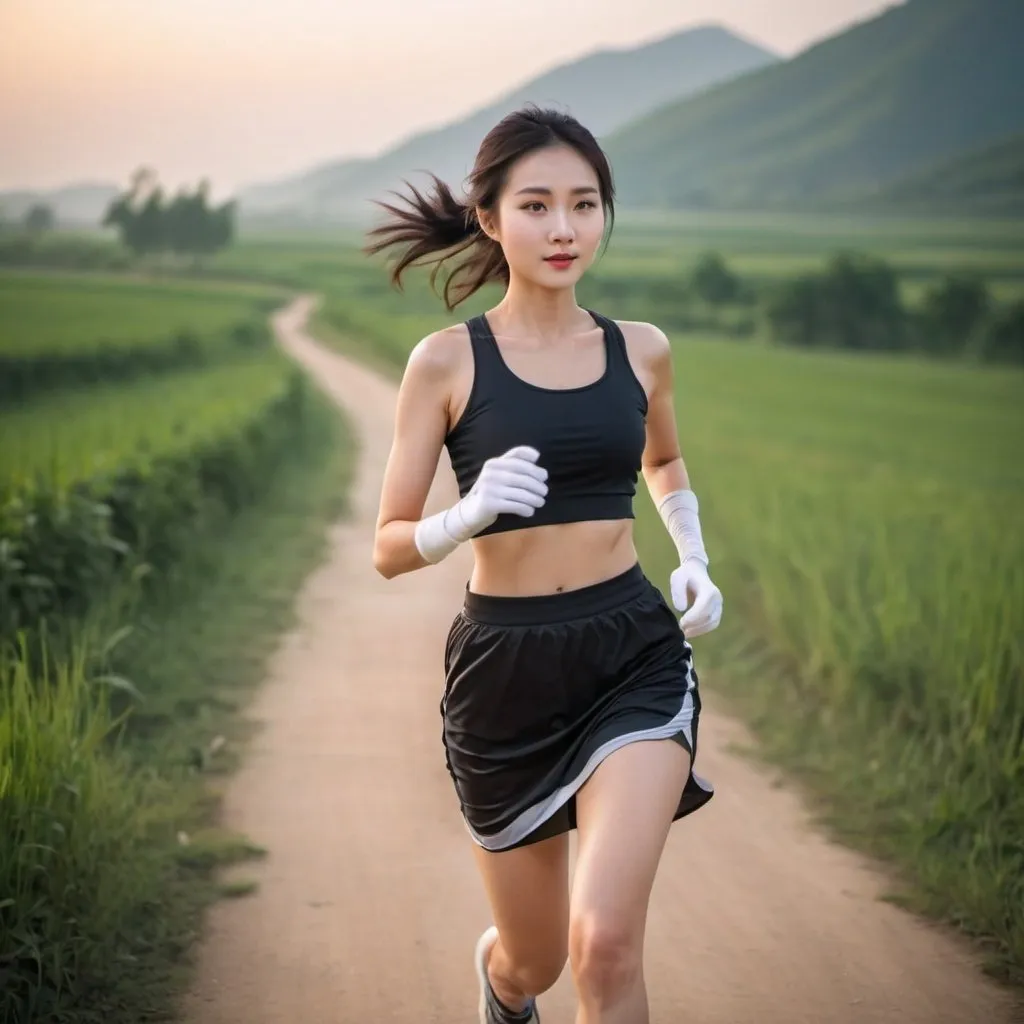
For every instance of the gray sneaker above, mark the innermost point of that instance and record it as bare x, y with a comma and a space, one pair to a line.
488, 1011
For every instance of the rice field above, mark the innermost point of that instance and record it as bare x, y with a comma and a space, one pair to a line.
65, 439
865, 519
43, 313
143, 495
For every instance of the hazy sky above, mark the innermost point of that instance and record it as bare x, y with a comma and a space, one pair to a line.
244, 90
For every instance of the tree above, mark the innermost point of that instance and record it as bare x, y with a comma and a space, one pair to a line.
713, 281
862, 300
38, 218
1003, 339
854, 304
951, 312
794, 314
186, 226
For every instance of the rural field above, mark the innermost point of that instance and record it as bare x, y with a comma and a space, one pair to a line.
166, 475
865, 517
226, 782
163, 459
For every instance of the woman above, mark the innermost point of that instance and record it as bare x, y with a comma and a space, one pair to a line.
570, 699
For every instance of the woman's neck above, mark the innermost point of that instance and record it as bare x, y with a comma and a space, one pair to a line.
543, 314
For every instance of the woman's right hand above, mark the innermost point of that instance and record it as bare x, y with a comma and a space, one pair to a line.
510, 484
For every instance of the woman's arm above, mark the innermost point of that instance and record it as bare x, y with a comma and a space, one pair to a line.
668, 482
664, 468
511, 483
421, 422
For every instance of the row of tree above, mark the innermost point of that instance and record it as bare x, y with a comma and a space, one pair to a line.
855, 303
184, 225
149, 222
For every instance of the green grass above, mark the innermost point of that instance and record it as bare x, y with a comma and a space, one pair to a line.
60, 313
863, 516
864, 522
158, 517
67, 438
864, 519
118, 841
762, 248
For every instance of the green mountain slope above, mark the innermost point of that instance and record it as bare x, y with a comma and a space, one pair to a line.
921, 83
605, 90
988, 180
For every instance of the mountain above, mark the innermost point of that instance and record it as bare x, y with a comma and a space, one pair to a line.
77, 204
988, 181
605, 90
916, 85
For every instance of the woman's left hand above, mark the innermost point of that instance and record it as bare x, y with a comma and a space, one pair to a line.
697, 597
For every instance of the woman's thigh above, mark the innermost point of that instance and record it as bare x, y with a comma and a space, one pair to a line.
528, 891
624, 813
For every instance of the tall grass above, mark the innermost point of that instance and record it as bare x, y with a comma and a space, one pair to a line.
864, 521
109, 740
77, 827
156, 516
68, 313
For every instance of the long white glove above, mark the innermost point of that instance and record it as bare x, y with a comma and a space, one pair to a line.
511, 483
693, 593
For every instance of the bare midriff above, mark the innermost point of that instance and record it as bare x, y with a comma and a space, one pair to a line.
552, 559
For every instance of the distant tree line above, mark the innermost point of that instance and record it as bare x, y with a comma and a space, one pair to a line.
149, 222
37, 218
855, 303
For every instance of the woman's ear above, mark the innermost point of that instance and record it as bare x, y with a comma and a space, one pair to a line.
488, 223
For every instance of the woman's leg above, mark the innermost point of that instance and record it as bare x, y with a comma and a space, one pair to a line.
528, 890
624, 812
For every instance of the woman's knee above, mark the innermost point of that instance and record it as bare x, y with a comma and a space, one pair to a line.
529, 895
606, 952
535, 973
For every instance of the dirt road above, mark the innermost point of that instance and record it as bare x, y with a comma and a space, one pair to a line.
369, 906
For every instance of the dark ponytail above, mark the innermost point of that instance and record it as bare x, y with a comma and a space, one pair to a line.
437, 227
433, 229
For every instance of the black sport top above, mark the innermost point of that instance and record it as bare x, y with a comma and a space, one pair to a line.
590, 438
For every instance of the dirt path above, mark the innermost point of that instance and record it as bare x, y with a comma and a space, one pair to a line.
369, 906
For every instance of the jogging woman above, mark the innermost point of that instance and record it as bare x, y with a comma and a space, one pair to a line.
570, 697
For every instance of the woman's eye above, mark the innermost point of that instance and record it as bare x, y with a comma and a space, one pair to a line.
586, 204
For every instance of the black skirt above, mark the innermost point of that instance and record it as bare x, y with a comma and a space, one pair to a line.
539, 690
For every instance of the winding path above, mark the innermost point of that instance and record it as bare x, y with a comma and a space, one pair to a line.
368, 905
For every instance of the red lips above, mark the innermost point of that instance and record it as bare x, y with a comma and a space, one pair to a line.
561, 260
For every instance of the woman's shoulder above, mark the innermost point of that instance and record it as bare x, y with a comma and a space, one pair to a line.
440, 353
645, 342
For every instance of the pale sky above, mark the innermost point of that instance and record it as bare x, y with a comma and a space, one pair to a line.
250, 90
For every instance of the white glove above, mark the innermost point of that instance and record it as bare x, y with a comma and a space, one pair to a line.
690, 582
692, 590
511, 483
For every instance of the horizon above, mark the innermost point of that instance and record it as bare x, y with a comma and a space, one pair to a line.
259, 115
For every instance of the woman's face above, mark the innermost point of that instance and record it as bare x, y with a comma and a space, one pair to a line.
551, 206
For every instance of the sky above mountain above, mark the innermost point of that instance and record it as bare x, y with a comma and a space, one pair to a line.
243, 89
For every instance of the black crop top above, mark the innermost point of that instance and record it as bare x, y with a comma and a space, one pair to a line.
590, 438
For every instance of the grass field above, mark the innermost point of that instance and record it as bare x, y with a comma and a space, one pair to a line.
64, 312
66, 438
864, 517
864, 521
61, 330
155, 522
